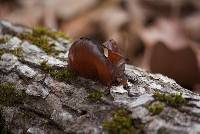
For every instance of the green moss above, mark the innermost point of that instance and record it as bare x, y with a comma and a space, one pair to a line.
156, 108
2, 40
46, 67
7, 86
40, 37
95, 96
3, 129
17, 52
63, 35
40, 31
8, 95
121, 123
62, 74
171, 99
41, 42
1, 123
1, 52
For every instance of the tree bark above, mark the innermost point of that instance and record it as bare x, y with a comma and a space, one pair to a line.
35, 99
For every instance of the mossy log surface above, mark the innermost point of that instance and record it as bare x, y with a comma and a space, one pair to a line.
40, 95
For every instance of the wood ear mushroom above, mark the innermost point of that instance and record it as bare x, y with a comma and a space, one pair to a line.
98, 61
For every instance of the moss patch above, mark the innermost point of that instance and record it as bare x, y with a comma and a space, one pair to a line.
40, 37
155, 107
45, 66
3, 40
41, 42
61, 74
1, 52
95, 96
121, 123
3, 130
8, 95
41, 31
17, 52
171, 99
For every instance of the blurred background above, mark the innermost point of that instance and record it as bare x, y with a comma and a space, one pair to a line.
161, 36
